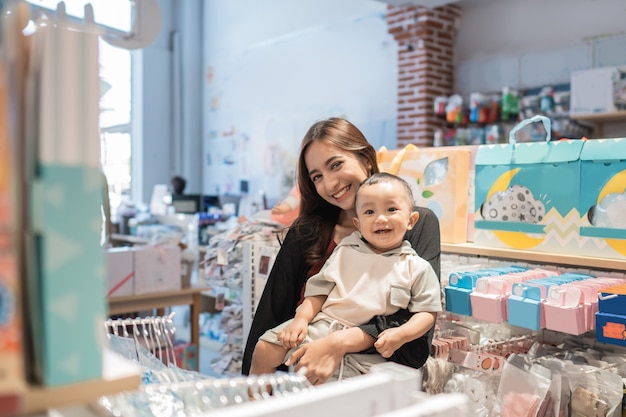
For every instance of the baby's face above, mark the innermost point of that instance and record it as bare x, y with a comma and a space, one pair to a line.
383, 214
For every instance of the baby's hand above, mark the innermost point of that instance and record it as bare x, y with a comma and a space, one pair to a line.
388, 342
293, 334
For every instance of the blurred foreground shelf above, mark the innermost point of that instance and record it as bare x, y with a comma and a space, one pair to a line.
119, 374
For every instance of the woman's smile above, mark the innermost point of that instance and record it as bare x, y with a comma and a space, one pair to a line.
341, 193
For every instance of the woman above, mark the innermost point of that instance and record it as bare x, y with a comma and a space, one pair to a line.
334, 159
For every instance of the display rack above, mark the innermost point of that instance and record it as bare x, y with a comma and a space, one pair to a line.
537, 257
255, 276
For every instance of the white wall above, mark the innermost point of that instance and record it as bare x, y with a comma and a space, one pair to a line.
279, 65
272, 68
535, 42
166, 113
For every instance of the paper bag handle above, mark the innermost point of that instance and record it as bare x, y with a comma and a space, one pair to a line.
537, 118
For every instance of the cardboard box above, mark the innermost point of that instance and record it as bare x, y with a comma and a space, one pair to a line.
603, 198
571, 308
439, 180
612, 300
462, 284
157, 268
596, 90
526, 304
611, 328
489, 299
527, 196
120, 266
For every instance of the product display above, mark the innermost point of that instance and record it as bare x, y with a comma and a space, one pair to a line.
533, 242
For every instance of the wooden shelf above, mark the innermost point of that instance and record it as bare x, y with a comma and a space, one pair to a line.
119, 375
615, 116
600, 118
539, 257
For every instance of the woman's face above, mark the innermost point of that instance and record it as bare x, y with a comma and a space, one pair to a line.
336, 173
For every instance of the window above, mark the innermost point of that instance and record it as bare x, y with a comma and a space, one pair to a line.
115, 88
115, 139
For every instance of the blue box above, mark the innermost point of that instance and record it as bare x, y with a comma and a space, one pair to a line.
611, 328
462, 284
612, 300
526, 303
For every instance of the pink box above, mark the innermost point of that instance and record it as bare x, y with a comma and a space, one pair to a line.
571, 308
120, 266
489, 299
157, 268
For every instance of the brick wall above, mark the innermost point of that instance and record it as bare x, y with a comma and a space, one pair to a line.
425, 66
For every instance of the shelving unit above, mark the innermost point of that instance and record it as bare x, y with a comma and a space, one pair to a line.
600, 118
191, 296
540, 257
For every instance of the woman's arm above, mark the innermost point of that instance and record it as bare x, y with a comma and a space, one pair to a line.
280, 295
425, 238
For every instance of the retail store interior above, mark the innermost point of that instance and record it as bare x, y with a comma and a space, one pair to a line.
149, 152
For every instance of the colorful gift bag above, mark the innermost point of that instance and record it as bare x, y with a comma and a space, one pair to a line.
439, 180
603, 198
527, 194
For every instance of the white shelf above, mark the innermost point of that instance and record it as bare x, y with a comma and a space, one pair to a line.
540, 257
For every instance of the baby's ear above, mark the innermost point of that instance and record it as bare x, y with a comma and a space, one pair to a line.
355, 221
413, 219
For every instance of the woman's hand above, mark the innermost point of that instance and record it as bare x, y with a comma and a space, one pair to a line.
321, 357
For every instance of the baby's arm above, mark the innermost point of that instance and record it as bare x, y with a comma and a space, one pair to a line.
391, 339
293, 334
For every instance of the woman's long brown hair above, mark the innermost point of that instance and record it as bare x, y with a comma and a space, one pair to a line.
317, 216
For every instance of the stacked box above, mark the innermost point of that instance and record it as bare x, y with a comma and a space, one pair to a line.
527, 194
157, 268
603, 199
120, 266
611, 315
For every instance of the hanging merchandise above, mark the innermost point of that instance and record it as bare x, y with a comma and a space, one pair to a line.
236, 265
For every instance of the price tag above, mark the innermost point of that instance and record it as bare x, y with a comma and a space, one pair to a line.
220, 301
222, 256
